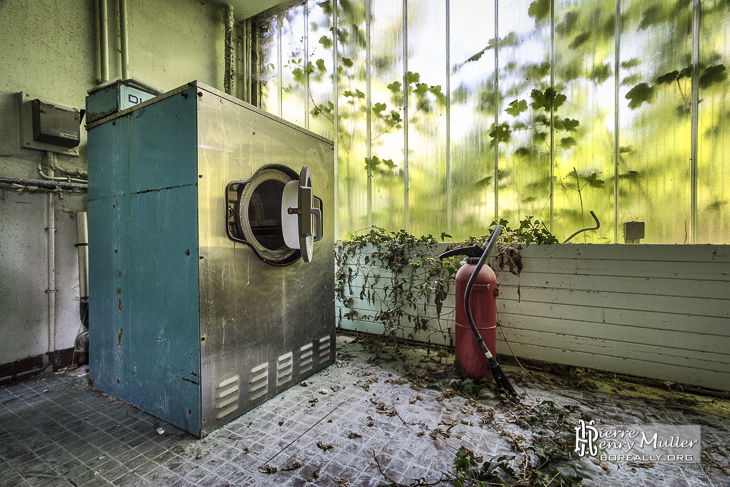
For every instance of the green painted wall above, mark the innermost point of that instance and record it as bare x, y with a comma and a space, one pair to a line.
51, 49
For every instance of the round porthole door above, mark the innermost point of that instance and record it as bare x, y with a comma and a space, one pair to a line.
276, 214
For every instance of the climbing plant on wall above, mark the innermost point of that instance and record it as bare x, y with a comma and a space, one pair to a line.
533, 130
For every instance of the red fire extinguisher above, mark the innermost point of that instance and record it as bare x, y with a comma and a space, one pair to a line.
483, 303
476, 313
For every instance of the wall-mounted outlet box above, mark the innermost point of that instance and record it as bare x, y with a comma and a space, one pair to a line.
49, 126
633, 232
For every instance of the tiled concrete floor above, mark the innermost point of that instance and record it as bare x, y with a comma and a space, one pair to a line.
359, 423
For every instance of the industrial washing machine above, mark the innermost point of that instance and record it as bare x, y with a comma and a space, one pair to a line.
211, 269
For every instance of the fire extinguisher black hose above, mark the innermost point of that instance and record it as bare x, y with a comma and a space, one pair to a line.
499, 377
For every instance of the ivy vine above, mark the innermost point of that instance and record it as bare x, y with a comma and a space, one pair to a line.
401, 279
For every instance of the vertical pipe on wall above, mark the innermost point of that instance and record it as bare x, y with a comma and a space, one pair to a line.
123, 38
695, 116
335, 87
368, 89
307, 93
246, 61
448, 117
103, 41
496, 109
279, 66
230, 59
82, 245
51, 246
405, 117
552, 115
616, 123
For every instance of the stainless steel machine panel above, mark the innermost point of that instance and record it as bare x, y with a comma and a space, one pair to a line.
186, 322
264, 327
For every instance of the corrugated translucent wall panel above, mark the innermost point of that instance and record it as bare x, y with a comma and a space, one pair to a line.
268, 55
713, 185
472, 114
524, 116
386, 162
320, 68
294, 60
427, 117
583, 120
655, 118
352, 133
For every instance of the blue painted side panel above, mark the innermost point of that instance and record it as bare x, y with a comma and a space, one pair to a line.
143, 259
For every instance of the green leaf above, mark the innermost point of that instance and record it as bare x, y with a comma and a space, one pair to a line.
631, 63
712, 75
570, 21
478, 55
516, 107
650, 17
412, 77
421, 89
320, 65
378, 108
631, 80
668, 78
593, 181
298, 75
544, 99
567, 142
579, 40
639, 94
570, 124
539, 10
522, 152
325, 41
501, 134
394, 86
347, 62
601, 73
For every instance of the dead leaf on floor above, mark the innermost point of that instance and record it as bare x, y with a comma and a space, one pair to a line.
420, 433
640, 464
314, 476
439, 432
482, 409
341, 481
485, 419
370, 421
201, 454
267, 469
366, 383
292, 466
324, 446
382, 408
449, 422
313, 401
353, 435
448, 393
414, 398
465, 409
465, 422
